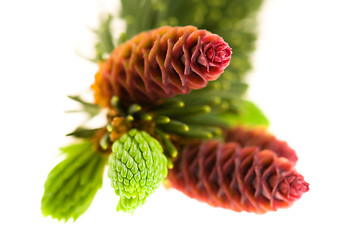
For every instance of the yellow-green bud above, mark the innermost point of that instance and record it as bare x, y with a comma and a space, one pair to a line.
137, 166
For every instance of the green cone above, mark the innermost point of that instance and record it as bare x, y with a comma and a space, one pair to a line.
137, 166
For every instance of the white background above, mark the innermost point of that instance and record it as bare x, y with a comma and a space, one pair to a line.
306, 79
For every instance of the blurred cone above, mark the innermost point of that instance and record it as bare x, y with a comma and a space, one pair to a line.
250, 178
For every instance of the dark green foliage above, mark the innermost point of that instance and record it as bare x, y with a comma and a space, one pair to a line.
105, 44
73, 183
140, 15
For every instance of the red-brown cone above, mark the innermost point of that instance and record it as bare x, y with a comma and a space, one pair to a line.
237, 178
161, 63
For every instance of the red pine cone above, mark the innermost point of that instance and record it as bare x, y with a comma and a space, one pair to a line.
237, 178
161, 63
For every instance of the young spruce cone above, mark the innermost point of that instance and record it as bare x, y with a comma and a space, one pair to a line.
137, 166
161, 63
239, 178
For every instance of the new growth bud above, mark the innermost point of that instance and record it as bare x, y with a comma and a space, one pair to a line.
137, 166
